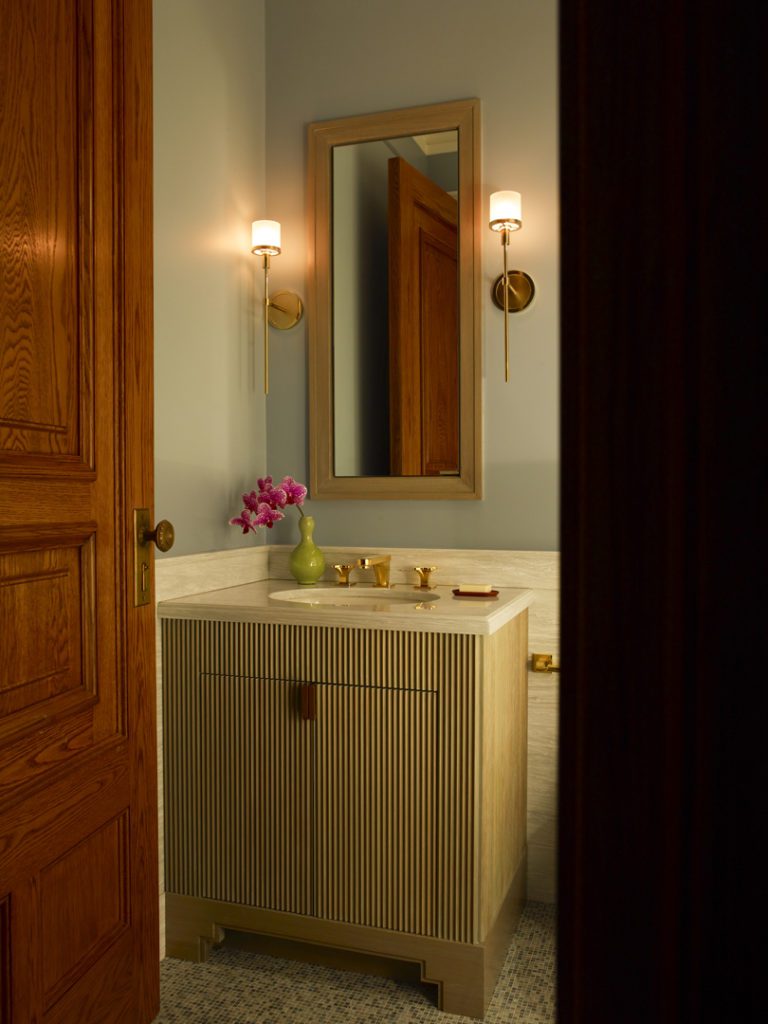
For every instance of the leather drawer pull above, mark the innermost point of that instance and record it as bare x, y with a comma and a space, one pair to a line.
309, 702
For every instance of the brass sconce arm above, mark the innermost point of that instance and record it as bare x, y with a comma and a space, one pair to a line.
514, 289
284, 309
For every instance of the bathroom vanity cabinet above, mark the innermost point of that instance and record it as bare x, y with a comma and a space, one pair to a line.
353, 788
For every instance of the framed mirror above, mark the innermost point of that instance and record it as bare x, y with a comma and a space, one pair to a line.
394, 304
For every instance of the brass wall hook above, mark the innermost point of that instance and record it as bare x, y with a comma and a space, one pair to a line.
543, 663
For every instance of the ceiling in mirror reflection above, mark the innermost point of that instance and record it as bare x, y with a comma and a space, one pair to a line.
395, 306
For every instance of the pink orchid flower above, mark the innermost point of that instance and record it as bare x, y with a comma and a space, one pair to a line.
275, 497
296, 492
264, 506
244, 520
267, 515
251, 501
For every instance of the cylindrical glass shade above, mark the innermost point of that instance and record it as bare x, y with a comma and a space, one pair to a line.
506, 211
265, 237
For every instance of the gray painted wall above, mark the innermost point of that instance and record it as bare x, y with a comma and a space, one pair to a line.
211, 95
210, 414
332, 58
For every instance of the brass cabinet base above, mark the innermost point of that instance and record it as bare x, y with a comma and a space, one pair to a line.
465, 974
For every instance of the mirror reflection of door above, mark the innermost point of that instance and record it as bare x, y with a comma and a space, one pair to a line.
395, 307
423, 325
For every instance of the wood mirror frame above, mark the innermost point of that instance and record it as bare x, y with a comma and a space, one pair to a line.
464, 117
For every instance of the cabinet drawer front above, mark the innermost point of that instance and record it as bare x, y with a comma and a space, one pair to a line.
353, 657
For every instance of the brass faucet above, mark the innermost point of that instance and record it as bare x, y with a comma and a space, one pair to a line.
380, 565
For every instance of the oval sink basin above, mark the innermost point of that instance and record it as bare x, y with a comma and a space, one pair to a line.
354, 597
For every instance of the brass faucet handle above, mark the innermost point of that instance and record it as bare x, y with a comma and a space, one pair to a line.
342, 571
424, 571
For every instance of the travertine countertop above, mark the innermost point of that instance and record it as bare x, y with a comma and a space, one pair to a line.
436, 611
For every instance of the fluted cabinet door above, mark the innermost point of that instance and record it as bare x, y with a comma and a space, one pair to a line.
239, 792
374, 812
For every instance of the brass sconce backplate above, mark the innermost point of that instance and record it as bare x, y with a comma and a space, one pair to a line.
520, 291
285, 310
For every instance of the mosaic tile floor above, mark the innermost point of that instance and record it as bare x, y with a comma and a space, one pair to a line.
244, 988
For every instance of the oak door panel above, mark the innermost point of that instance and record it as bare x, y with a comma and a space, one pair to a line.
46, 271
439, 354
423, 325
47, 594
83, 895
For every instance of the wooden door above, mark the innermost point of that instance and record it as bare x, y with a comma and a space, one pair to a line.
238, 788
376, 827
78, 864
423, 325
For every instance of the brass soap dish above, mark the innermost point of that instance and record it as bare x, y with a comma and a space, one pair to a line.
475, 593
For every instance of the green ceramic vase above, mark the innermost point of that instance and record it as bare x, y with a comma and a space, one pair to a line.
307, 561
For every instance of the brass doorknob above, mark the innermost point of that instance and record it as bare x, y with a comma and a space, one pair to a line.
162, 536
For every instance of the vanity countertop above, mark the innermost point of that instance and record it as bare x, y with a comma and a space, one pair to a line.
439, 611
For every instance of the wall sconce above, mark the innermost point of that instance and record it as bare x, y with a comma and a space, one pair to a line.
512, 290
282, 310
